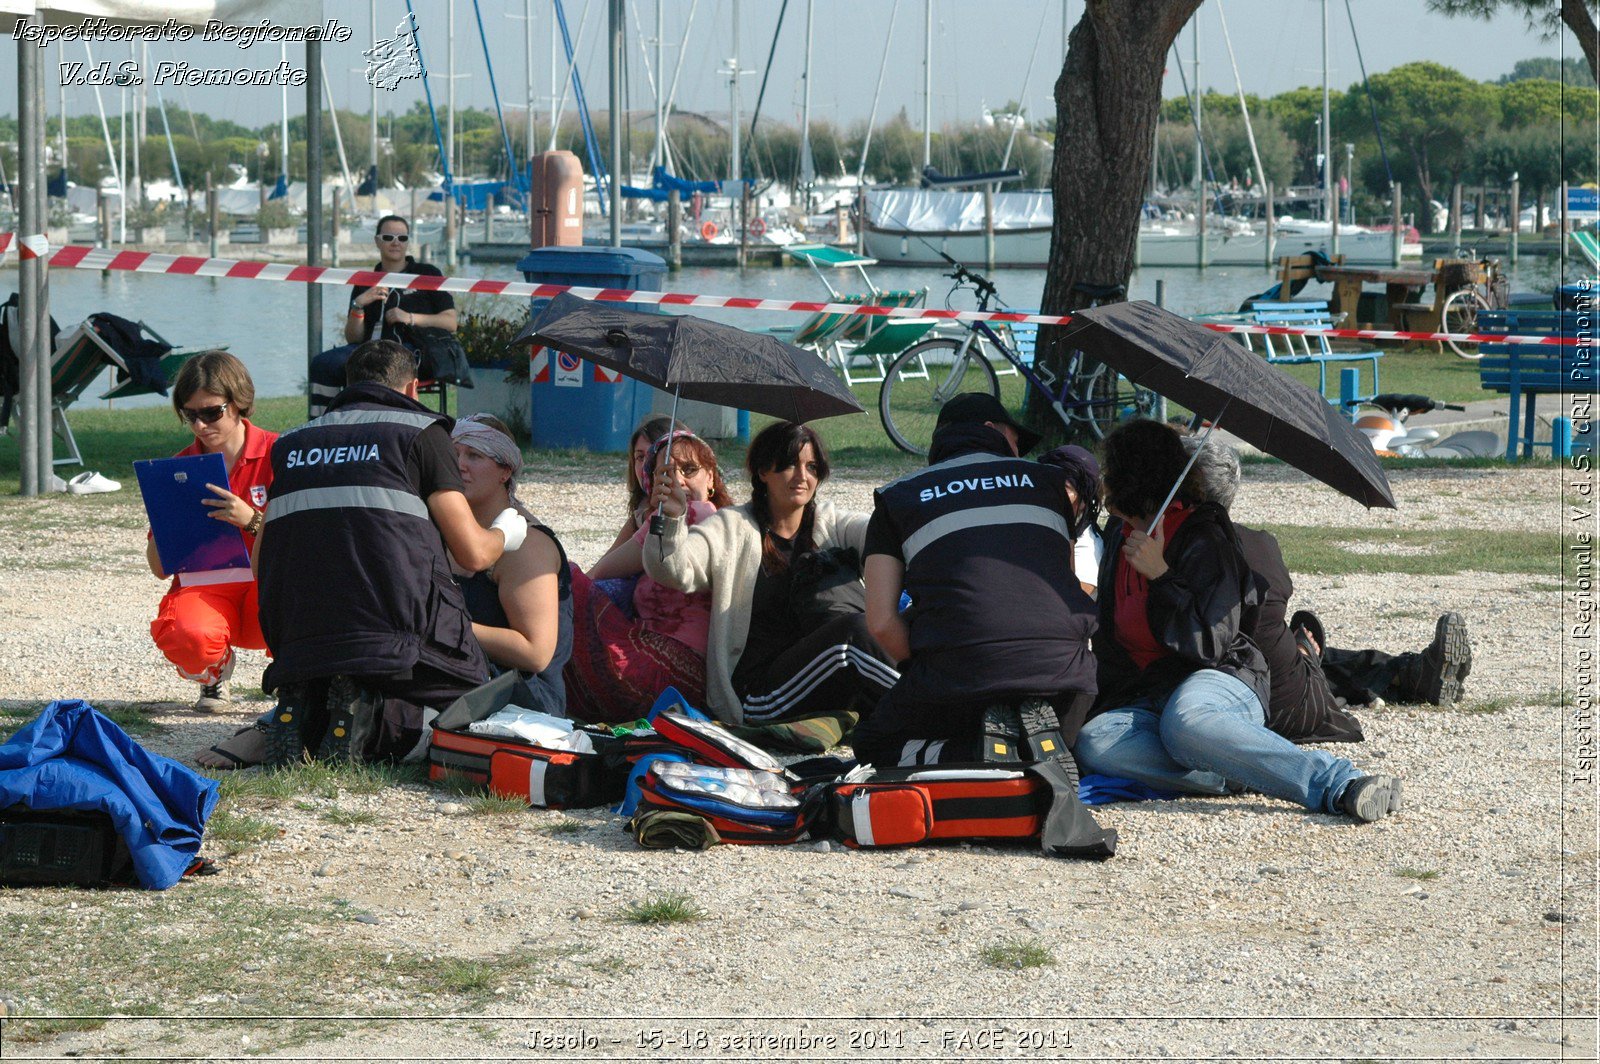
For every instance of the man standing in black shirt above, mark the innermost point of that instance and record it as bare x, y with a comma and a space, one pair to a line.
983, 542
379, 312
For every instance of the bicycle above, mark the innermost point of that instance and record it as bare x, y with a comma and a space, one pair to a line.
1478, 286
927, 375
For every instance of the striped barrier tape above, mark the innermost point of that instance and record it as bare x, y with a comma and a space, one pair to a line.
28, 247
78, 257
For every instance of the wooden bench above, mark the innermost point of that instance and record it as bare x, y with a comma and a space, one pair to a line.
1527, 371
1300, 350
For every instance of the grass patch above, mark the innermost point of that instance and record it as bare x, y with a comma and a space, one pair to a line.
1016, 954
1553, 697
1542, 585
457, 783
465, 977
496, 805
1421, 874
318, 779
668, 909
565, 826
237, 832
348, 817
1435, 552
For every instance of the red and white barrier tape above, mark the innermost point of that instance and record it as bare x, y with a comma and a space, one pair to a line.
28, 247
78, 257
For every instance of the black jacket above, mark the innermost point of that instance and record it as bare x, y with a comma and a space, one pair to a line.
1195, 609
1302, 708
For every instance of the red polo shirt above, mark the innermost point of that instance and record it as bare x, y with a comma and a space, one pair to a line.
251, 475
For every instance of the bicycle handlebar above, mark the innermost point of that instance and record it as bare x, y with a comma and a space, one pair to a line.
1411, 403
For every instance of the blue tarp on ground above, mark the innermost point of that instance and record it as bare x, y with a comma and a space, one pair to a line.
72, 757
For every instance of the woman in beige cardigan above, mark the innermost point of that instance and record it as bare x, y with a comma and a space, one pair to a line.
771, 656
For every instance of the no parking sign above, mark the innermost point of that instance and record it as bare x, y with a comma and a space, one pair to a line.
568, 371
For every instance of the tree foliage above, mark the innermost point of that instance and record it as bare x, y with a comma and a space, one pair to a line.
1542, 15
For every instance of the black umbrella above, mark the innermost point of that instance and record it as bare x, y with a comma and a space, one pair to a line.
694, 358
1219, 379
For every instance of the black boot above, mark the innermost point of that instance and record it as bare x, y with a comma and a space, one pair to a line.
1436, 675
1001, 741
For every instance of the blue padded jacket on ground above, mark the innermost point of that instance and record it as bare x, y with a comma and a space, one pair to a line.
72, 757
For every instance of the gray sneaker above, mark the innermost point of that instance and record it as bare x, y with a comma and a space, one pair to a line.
1370, 798
214, 698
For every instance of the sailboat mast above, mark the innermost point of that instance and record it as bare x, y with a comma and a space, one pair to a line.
807, 169
734, 170
63, 48
372, 116
527, 24
138, 138
450, 137
927, 82
658, 157
1199, 119
1327, 139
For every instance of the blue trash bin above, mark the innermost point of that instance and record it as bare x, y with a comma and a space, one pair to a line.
575, 403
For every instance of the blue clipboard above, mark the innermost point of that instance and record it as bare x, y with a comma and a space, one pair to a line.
195, 547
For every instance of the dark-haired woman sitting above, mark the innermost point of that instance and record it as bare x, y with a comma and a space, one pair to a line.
1183, 691
774, 654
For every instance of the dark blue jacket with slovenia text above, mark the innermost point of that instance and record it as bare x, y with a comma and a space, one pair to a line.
353, 573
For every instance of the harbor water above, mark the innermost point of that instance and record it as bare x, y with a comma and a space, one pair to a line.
264, 323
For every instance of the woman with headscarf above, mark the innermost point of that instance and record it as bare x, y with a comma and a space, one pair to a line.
623, 659
521, 607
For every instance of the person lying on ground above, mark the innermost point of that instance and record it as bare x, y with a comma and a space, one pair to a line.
1183, 691
198, 626
651, 428
521, 606
788, 638
995, 645
384, 313
621, 663
366, 626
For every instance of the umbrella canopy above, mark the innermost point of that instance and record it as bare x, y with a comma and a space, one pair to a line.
698, 359
1219, 379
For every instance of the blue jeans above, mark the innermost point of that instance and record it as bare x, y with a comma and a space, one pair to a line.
1211, 730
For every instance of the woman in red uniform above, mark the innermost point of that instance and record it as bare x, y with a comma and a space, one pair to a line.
198, 626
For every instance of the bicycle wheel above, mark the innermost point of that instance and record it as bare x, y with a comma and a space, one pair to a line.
1460, 315
921, 380
1098, 407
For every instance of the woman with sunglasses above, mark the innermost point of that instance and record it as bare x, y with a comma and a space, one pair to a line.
382, 311
625, 653
198, 626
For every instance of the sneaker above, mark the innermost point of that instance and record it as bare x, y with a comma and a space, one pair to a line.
1002, 734
1370, 798
1446, 662
354, 712
284, 743
214, 698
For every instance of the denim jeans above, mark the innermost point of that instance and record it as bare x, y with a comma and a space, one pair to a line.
1211, 730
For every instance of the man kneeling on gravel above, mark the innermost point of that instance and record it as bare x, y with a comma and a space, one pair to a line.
994, 650
366, 626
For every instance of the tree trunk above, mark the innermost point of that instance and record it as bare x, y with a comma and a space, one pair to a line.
1575, 13
1107, 98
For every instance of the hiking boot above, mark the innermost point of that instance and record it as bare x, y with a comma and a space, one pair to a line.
1041, 730
354, 712
1001, 741
1370, 798
1445, 663
214, 698
284, 743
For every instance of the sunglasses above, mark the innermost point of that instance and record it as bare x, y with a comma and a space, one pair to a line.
688, 469
390, 238
206, 415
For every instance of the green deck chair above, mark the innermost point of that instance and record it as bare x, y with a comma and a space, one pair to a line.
80, 357
873, 341
1588, 245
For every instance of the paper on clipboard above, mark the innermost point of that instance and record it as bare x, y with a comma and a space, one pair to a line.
195, 547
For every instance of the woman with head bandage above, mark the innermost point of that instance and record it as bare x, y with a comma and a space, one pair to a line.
521, 607
627, 648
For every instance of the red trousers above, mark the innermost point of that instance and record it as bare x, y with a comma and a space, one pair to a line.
197, 627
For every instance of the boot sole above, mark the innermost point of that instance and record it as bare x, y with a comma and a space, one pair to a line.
283, 737
1002, 728
1377, 801
335, 745
1455, 657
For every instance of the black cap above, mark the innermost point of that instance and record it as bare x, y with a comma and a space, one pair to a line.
975, 408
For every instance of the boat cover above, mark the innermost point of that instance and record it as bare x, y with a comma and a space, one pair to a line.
910, 210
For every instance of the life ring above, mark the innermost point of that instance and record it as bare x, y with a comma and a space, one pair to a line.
708, 231
758, 228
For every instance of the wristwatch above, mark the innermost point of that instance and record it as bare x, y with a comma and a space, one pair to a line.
256, 521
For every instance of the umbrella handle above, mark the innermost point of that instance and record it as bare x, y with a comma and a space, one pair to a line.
658, 523
1156, 520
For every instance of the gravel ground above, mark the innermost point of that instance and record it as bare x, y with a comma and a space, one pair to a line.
1236, 927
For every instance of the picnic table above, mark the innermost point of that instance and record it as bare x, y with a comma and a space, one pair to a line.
1399, 285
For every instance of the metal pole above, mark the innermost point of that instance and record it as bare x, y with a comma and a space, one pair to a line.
527, 15
1516, 219
1396, 218
808, 174
28, 278
138, 142
314, 223
618, 19
988, 226
1272, 222
450, 138
658, 157
1326, 147
927, 82
1455, 218
1199, 150
735, 167
674, 229
372, 132
42, 352
212, 214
